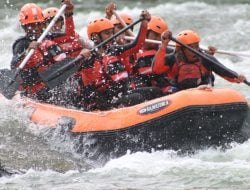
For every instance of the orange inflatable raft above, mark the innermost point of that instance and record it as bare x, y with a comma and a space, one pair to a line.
191, 117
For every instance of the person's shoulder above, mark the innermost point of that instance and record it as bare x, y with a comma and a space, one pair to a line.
21, 43
21, 39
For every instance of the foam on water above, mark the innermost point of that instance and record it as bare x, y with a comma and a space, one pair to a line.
212, 168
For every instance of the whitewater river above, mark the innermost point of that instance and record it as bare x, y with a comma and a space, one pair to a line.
48, 161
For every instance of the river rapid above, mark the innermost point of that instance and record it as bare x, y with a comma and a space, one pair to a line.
44, 159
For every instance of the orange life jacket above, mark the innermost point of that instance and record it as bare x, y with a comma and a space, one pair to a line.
47, 53
114, 68
72, 45
70, 42
103, 73
144, 62
93, 75
189, 75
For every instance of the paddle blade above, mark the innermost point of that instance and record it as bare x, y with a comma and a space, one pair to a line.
60, 72
9, 82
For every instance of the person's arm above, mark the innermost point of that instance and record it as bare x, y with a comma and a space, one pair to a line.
69, 25
135, 46
162, 60
69, 33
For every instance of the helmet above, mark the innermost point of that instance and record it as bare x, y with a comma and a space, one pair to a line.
50, 12
157, 24
127, 19
30, 13
188, 37
98, 25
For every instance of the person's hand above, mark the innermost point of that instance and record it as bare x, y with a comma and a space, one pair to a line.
165, 38
109, 9
241, 78
205, 87
147, 17
70, 7
33, 45
211, 50
85, 53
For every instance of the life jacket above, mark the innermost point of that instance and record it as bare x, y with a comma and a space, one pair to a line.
69, 41
144, 62
93, 74
128, 63
102, 80
114, 68
189, 75
71, 45
47, 53
145, 77
104, 73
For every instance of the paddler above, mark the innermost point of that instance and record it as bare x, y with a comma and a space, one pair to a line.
187, 69
46, 53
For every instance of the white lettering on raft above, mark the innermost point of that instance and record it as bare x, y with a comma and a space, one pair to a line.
154, 107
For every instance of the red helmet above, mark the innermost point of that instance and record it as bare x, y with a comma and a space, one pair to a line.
50, 12
127, 19
188, 37
99, 25
30, 13
157, 24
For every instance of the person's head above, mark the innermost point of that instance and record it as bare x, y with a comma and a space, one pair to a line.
49, 14
191, 39
118, 25
32, 20
100, 29
156, 27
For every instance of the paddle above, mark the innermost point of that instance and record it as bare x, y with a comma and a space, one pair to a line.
10, 79
232, 53
217, 64
59, 72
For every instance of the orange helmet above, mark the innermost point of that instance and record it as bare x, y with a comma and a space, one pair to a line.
188, 37
30, 13
127, 19
157, 24
98, 25
50, 12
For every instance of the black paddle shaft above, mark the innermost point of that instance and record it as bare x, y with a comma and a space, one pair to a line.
206, 58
